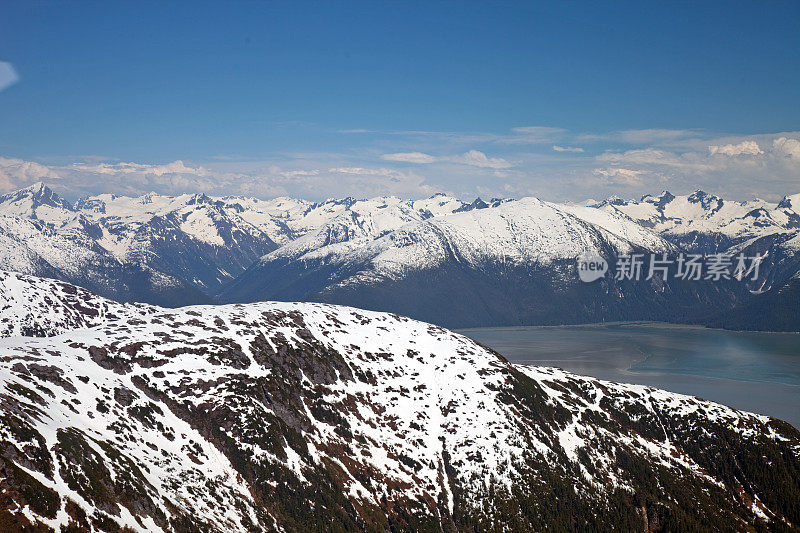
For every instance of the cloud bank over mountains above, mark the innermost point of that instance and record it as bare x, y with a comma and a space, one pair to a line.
551, 163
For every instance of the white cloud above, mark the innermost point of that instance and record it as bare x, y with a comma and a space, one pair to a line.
654, 135
179, 177
740, 167
176, 167
8, 76
651, 136
619, 176
637, 161
359, 171
473, 158
743, 148
479, 159
519, 135
576, 149
410, 157
646, 156
298, 174
766, 166
365, 182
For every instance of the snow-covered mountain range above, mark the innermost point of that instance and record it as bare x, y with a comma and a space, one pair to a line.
179, 249
312, 417
510, 264
439, 259
706, 223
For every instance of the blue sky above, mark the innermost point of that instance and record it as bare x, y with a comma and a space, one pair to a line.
469, 98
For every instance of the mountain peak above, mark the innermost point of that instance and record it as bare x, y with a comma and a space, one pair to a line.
701, 195
706, 200
790, 202
37, 187
615, 200
476, 204
659, 201
33, 196
662, 195
199, 198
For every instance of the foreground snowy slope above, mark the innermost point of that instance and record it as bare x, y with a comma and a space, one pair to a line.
298, 417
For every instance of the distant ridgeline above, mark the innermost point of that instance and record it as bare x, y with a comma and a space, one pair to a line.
502, 262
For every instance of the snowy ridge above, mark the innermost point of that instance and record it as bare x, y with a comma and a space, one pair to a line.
682, 218
513, 263
280, 220
526, 231
515, 229
707, 224
36, 307
289, 416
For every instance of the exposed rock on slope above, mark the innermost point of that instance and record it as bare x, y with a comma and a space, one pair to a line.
37, 307
298, 417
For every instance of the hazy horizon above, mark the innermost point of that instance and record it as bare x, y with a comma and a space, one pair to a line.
72, 197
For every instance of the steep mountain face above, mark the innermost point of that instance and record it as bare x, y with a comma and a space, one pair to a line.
781, 252
194, 243
706, 224
31, 246
303, 417
512, 264
776, 310
200, 243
